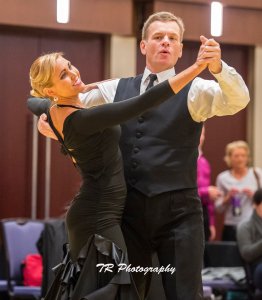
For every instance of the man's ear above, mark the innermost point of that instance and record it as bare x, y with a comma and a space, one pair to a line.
143, 47
181, 50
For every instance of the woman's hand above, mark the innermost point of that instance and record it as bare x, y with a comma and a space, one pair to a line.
213, 193
210, 54
248, 192
212, 230
44, 128
229, 195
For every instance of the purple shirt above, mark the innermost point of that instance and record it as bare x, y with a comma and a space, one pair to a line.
203, 182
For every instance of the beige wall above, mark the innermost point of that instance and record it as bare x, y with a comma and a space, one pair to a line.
257, 113
98, 16
242, 19
122, 58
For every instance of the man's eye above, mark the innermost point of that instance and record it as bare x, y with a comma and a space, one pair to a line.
173, 38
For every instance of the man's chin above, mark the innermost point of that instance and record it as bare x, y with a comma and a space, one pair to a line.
165, 65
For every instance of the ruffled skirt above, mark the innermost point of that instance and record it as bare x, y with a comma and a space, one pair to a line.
95, 275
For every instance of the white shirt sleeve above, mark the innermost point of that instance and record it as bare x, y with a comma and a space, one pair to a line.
105, 93
208, 98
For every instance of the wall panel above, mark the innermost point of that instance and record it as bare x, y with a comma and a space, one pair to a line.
19, 47
100, 16
242, 24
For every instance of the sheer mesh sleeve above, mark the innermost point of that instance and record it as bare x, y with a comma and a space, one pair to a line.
38, 106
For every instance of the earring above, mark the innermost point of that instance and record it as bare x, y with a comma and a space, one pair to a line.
55, 99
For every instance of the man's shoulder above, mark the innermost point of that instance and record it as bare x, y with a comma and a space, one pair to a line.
131, 78
245, 225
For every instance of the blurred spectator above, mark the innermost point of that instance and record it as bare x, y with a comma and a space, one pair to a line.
206, 191
249, 238
238, 185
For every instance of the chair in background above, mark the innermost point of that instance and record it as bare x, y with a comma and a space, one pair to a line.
3, 277
50, 244
19, 239
224, 268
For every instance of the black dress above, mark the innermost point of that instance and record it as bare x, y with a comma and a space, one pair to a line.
94, 218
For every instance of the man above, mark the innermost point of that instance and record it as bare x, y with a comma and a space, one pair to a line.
160, 149
249, 238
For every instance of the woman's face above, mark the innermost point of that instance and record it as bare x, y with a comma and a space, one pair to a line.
239, 158
66, 80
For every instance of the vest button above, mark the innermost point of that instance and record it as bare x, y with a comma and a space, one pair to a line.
134, 164
141, 119
132, 180
139, 134
136, 149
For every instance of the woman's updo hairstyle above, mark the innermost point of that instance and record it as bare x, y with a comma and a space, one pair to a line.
41, 73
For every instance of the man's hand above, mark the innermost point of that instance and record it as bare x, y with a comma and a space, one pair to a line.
45, 128
89, 87
210, 53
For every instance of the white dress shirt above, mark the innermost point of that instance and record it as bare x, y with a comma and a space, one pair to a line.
206, 98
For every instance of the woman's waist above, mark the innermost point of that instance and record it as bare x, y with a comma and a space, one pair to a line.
91, 186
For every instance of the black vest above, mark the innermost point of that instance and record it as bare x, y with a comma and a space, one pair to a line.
160, 147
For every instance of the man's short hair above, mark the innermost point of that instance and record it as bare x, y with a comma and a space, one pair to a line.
257, 197
163, 16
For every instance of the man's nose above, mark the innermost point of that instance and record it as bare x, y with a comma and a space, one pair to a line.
166, 40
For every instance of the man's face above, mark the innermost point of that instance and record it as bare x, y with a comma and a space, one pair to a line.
162, 46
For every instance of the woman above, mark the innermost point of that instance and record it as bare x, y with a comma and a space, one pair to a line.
91, 138
238, 185
207, 192
249, 238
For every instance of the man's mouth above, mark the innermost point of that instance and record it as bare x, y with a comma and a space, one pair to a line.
164, 52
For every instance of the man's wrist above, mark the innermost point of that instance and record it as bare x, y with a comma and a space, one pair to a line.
216, 69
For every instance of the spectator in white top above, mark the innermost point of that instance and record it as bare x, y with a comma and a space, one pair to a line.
238, 185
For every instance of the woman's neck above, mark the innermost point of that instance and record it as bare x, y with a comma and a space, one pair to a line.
69, 101
239, 172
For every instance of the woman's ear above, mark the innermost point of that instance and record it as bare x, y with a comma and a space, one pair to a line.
49, 92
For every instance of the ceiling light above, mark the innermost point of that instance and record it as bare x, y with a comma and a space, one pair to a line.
216, 18
62, 11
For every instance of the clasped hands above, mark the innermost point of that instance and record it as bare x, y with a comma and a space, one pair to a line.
210, 54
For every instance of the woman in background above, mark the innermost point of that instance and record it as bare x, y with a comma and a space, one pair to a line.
208, 193
238, 185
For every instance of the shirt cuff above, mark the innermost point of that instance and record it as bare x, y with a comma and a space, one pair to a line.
225, 72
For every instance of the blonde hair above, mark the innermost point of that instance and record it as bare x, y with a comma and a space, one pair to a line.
163, 16
232, 146
41, 73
